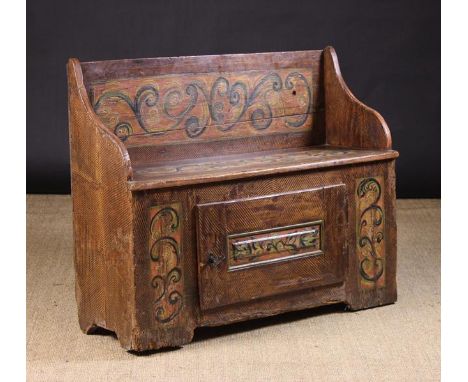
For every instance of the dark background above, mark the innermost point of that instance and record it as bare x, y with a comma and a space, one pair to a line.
389, 54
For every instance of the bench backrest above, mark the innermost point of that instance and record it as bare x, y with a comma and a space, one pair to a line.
275, 98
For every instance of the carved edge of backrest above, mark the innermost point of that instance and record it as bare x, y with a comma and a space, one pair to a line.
348, 121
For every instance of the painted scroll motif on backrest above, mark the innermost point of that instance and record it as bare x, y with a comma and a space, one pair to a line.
206, 105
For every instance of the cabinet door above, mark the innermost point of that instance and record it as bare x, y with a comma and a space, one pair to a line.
262, 246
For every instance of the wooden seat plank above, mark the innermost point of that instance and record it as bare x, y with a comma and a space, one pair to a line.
227, 167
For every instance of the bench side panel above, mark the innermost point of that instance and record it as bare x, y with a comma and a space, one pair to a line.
102, 219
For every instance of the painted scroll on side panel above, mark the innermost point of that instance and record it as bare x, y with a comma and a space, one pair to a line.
370, 230
165, 254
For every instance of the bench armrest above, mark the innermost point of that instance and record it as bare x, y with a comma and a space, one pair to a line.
96, 153
350, 123
102, 217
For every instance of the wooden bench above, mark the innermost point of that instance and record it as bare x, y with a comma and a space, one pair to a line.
214, 189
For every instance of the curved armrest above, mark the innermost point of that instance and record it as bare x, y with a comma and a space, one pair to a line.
97, 155
350, 123
102, 218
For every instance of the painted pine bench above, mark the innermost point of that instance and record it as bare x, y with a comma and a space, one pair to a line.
214, 189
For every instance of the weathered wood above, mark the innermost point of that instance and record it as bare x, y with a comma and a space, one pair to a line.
176, 100
178, 108
350, 123
100, 167
102, 71
175, 230
148, 155
223, 283
242, 166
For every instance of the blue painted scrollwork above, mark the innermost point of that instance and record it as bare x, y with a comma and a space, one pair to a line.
165, 250
179, 104
372, 266
146, 95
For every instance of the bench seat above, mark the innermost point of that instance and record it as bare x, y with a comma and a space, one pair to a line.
218, 168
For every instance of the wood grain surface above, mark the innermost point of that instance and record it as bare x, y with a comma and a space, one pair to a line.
205, 170
217, 221
349, 122
206, 105
215, 189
